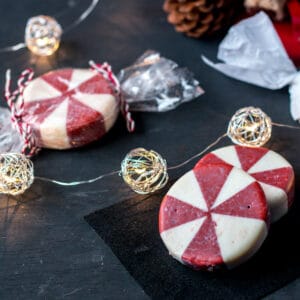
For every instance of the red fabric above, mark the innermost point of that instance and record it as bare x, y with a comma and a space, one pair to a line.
289, 40
289, 32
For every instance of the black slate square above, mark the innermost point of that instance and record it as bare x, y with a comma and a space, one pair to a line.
130, 228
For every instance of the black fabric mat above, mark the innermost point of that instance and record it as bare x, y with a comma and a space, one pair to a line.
130, 229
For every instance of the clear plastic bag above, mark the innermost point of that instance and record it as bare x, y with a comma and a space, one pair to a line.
154, 83
10, 138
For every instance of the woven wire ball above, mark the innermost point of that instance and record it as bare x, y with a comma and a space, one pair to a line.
250, 126
144, 171
42, 35
16, 173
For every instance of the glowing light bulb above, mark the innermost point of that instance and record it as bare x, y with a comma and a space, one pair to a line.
144, 171
250, 126
42, 35
16, 173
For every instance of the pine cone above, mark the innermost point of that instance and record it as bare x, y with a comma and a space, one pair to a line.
197, 18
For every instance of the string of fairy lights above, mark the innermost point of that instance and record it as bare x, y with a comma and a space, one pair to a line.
43, 33
144, 171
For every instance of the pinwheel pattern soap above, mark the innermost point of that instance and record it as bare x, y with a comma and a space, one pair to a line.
273, 172
69, 107
213, 217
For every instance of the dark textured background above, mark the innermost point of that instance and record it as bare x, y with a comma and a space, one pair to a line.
47, 250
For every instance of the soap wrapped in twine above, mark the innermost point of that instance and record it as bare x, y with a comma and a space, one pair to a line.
152, 83
15, 101
106, 71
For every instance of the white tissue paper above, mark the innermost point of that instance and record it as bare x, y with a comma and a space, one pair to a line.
253, 52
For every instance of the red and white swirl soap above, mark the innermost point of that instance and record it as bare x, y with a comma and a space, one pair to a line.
69, 107
214, 216
273, 172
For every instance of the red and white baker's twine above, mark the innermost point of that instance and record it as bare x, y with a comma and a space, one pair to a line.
106, 71
17, 110
15, 102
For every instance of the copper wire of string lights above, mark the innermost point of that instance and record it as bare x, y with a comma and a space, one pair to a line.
144, 171
74, 183
43, 33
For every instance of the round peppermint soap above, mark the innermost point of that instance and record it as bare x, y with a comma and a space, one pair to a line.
69, 108
212, 217
271, 170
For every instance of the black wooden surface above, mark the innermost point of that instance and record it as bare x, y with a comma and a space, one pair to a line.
47, 250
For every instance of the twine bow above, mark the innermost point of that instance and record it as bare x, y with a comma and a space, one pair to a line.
106, 71
15, 102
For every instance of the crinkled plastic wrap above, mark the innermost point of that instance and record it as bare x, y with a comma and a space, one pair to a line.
154, 83
10, 138
252, 52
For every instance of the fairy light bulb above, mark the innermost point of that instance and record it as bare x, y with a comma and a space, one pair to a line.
16, 173
42, 35
250, 126
144, 171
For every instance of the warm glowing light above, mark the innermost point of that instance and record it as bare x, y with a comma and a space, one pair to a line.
250, 127
42, 35
144, 171
16, 173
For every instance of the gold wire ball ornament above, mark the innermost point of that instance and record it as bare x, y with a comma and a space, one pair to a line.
250, 126
144, 171
16, 173
42, 35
